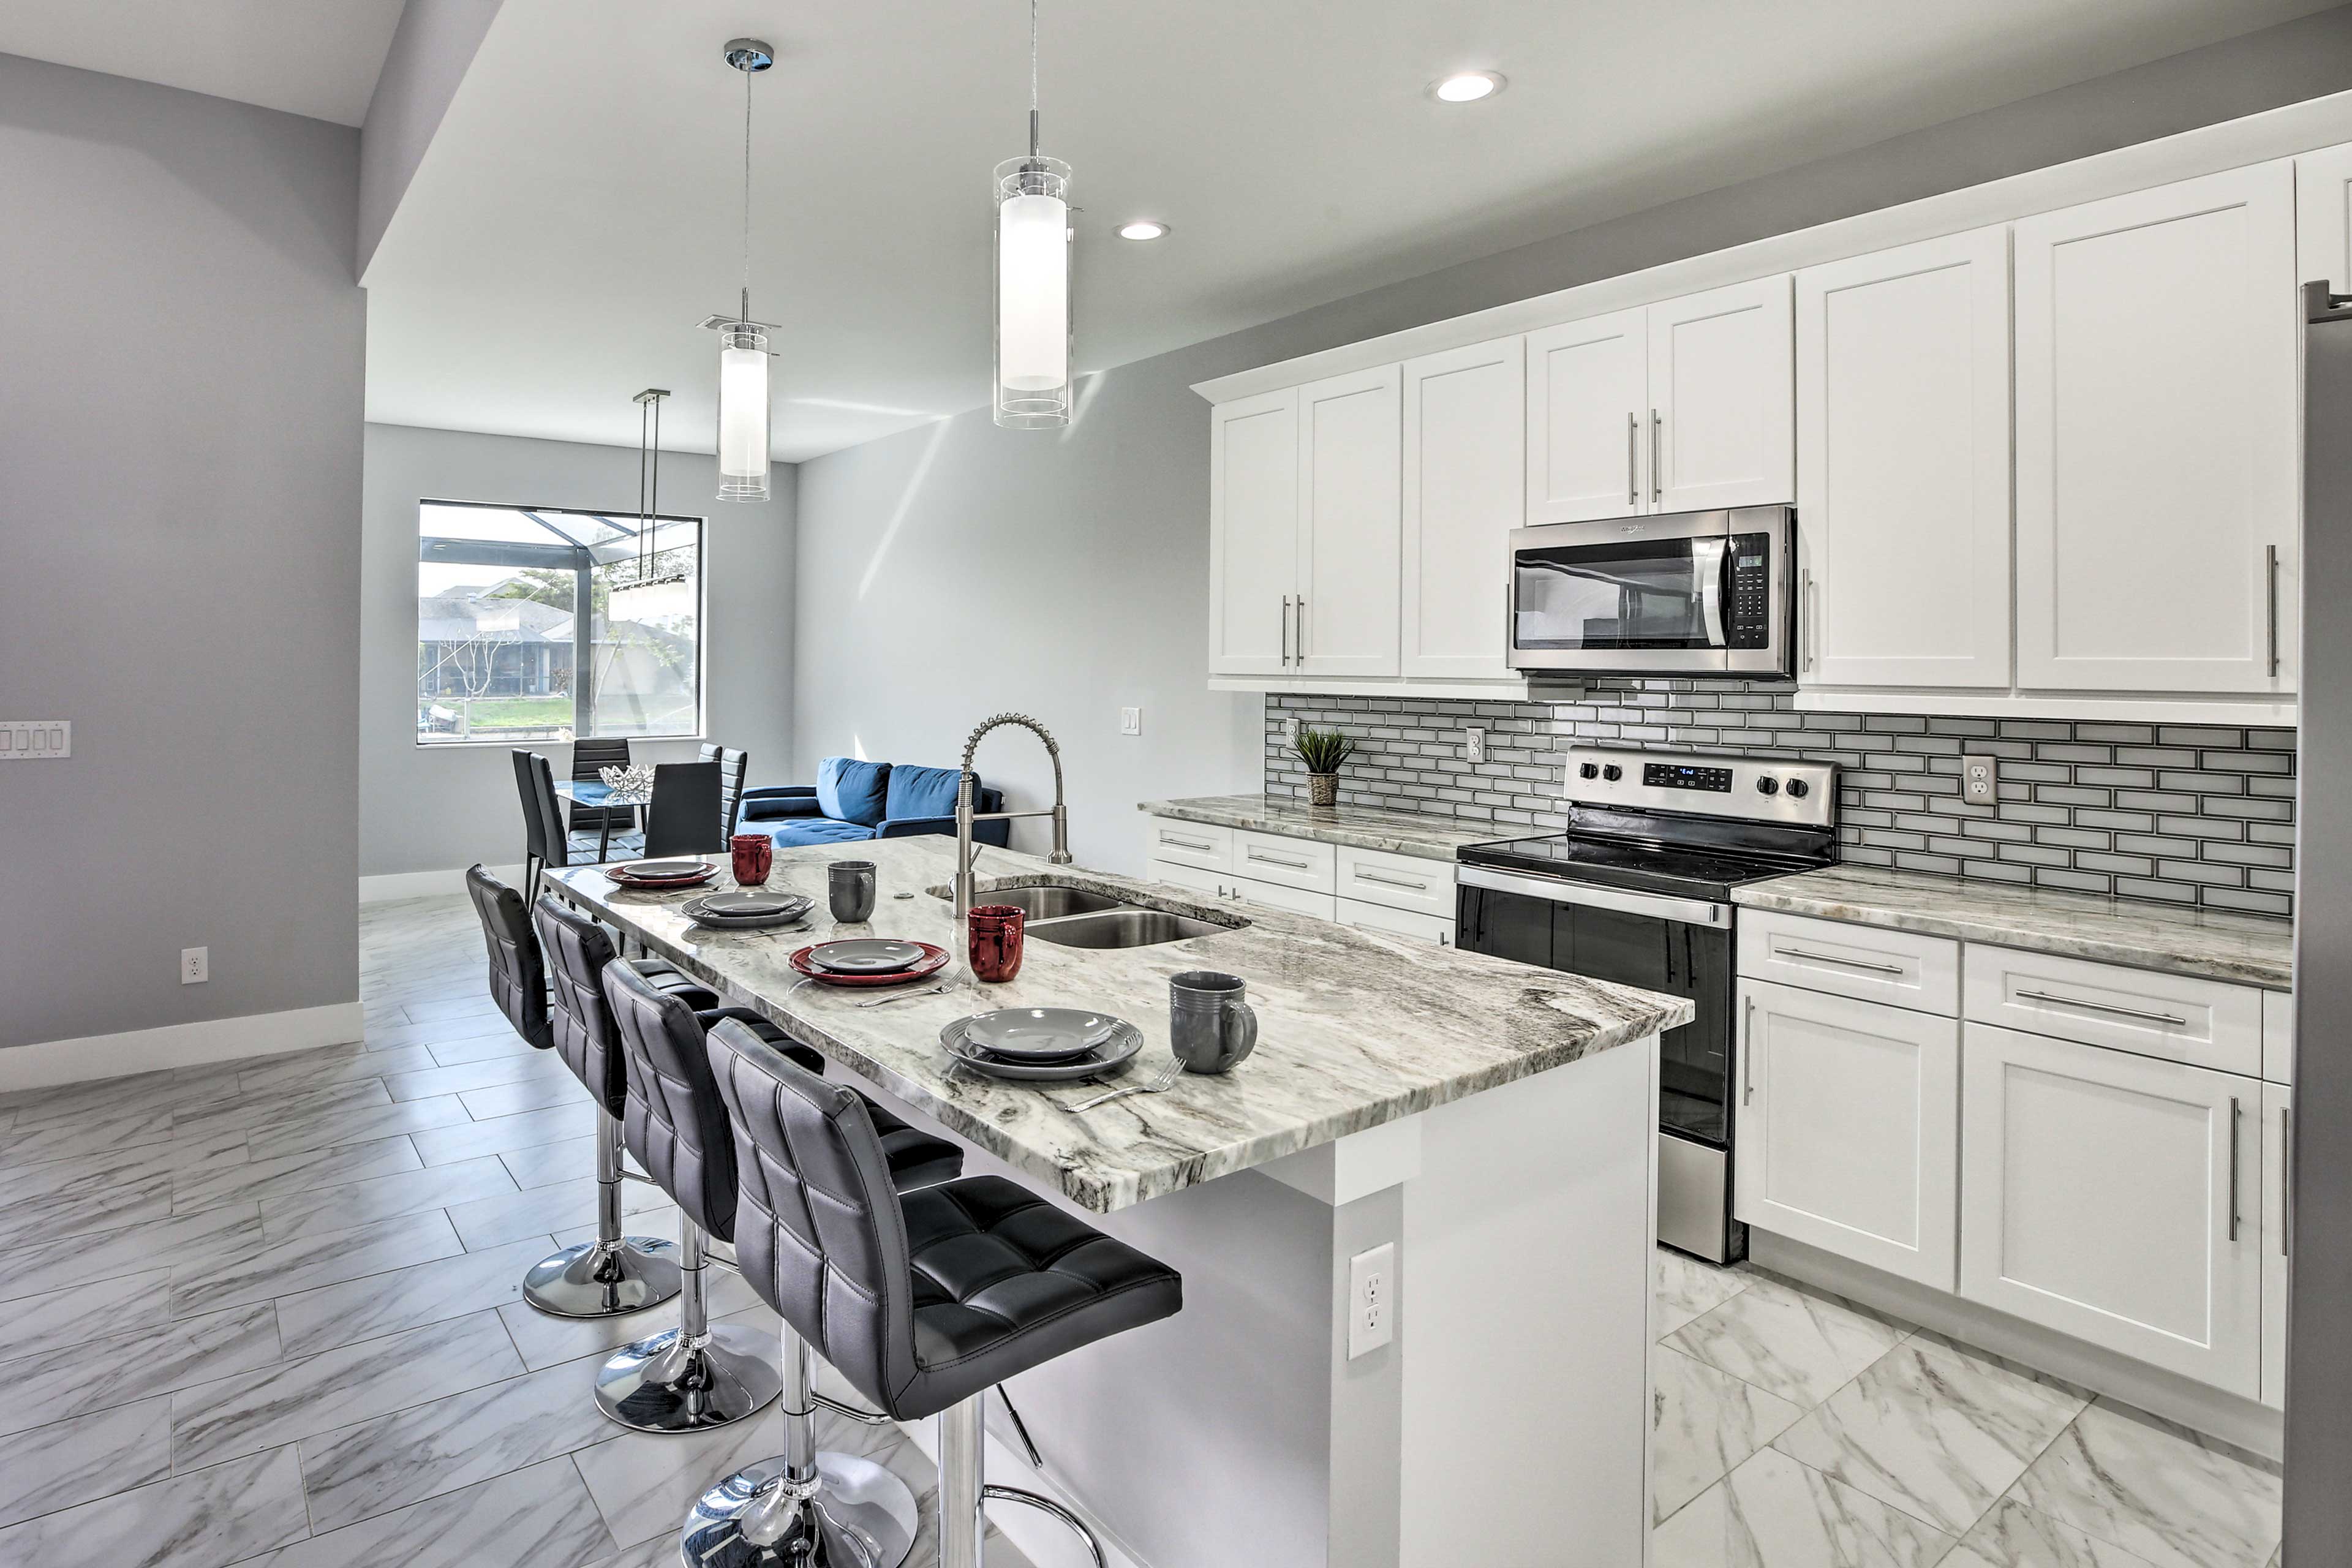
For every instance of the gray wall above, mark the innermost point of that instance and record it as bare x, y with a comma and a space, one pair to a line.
180, 415
950, 571
431, 49
431, 808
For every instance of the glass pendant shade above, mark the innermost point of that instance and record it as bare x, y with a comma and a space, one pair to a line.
742, 413
1033, 293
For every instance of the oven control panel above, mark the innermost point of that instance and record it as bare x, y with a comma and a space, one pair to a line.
1753, 789
1687, 775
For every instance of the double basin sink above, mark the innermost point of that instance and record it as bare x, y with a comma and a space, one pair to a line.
1069, 916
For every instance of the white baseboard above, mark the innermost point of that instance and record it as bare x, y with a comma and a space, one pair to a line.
178, 1046
2243, 1422
384, 888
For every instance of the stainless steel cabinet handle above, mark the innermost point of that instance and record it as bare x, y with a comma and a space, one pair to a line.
1657, 473
2286, 1180
2270, 588
1832, 958
1302, 628
2178, 1023
1280, 860
1362, 875
1202, 844
1633, 459
1748, 1057
1286, 631
2233, 1167
1809, 634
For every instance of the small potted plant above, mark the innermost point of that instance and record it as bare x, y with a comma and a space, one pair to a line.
1322, 750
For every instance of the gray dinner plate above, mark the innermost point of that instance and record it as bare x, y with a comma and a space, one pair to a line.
1111, 1057
1039, 1034
661, 869
744, 903
866, 955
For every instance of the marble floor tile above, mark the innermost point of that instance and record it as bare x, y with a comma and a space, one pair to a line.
1933, 1431
1703, 1425
405, 1035
292, 1173
380, 1304
299, 1399
329, 1063
494, 1221
260, 1269
543, 1165
446, 1146
661, 1223
2011, 1535
98, 1311
1686, 1289
208, 1519
430, 1081
540, 1517
127, 1127
546, 1341
644, 1483
1799, 1344
79, 1211
45, 1468
183, 1151
123, 1369
481, 1047
292, 1103
43, 1267
361, 1124
1773, 1512
2156, 1489
475, 1005
405, 1192
108, 1096
528, 1094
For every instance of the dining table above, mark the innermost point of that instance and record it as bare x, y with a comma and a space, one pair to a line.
596, 794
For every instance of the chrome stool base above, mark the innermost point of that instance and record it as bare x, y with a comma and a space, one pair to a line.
669, 1383
861, 1516
601, 1280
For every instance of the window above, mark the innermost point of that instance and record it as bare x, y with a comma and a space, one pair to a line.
539, 624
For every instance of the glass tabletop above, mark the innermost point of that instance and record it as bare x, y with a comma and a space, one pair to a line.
592, 792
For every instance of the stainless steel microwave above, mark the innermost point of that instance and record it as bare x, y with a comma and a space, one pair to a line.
1686, 593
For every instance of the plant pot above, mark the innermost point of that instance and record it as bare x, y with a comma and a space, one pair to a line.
1322, 789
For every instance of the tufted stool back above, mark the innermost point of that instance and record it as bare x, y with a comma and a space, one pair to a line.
675, 1122
578, 951
518, 974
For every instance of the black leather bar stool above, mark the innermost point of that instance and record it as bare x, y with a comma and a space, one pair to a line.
923, 1301
614, 1274
700, 1374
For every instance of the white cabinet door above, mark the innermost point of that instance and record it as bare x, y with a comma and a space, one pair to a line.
2116, 1198
1351, 428
1464, 488
1254, 484
1902, 472
2278, 1211
2323, 217
1724, 396
2157, 488
1588, 419
1849, 1127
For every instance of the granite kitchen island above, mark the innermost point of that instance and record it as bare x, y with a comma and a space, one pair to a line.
1491, 1123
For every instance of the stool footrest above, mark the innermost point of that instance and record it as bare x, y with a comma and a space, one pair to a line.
1048, 1505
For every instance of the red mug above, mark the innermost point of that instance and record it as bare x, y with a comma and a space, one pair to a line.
995, 939
755, 853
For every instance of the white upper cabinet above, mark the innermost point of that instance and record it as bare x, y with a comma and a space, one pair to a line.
1253, 482
2323, 217
1722, 399
1903, 465
2157, 488
1465, 477
1350, 429
1588, 419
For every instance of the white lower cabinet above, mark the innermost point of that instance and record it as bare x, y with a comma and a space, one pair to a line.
2117, 1198
1297, 900
1198, 878
1849, 1127
1396, 922
2278, 1235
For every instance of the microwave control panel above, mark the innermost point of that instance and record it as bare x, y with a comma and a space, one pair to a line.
1749, 619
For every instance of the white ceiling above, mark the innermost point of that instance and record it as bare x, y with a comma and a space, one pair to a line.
317, 57
578, 213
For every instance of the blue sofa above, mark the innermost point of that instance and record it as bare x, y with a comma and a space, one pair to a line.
853, 800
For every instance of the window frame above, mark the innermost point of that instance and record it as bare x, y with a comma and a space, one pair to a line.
564, 554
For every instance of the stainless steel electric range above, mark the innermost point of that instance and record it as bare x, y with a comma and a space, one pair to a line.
1638, 891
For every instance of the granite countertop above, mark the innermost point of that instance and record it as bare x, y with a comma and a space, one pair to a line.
2251, 950
1355, 1028
1357, 826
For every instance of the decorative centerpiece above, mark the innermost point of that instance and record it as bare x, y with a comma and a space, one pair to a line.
1322, 750
634, 780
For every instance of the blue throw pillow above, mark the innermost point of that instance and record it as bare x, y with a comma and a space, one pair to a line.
850, 791
922, 791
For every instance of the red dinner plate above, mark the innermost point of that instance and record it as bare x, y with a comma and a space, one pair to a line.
934, 959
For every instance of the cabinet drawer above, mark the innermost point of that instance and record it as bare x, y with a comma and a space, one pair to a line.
1396, 921
1297, 900
1868, 963
1399, 881
1198, 878
1302, 863
1191, 843
2204, 1023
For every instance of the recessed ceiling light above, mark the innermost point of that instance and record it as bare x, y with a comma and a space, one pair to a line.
1467, 87
1143, 228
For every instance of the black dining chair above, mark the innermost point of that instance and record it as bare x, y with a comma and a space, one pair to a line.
544, 841
683, 818
732, 765
589, 759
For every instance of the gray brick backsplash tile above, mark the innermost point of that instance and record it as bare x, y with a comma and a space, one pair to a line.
2200, 815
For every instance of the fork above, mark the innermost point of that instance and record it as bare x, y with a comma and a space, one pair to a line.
1160, 1084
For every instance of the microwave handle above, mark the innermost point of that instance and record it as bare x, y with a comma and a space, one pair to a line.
1711, 575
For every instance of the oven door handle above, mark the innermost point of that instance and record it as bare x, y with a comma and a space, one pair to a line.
1686, 912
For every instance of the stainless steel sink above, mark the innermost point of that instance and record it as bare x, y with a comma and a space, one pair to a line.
1125, 926
1045, 901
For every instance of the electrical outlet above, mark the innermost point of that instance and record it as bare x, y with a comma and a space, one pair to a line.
1131, 720
31, 739
1371, 1299
1290, 730
1980, 780
1474, 746
195, 965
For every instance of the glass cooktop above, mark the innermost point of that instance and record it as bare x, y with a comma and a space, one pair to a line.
1677, 869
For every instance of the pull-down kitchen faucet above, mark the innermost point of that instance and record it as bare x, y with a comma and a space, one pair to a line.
965, 817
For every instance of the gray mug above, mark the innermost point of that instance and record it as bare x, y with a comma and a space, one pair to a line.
849, 886
1210, 1025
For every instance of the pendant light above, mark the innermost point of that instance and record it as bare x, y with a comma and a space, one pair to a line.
1033, 279
648, 404
744, 403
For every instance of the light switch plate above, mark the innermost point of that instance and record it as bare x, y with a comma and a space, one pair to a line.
35, 739
1980, 781
1371, 1299
1131, 720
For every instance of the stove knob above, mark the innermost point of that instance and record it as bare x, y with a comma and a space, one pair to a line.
1613, 772
1799, 789
1768, 785
1588, 771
